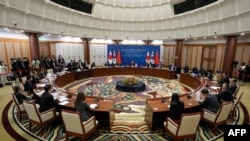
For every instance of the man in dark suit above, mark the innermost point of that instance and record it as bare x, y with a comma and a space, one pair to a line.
210, 102
47, 100
20, 97
28, 86
172, 67
224, 79
226, 94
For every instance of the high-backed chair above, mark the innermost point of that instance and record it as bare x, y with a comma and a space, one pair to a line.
236, 91
74, 126
20, 107
23, 80
40, 119
235, 105
185, 129
219, 118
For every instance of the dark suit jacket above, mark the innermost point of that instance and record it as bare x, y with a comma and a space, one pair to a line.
83, 108
210, 103
232, 88
35, 79
20, 97
176, 109
224, 80
225, 96
47, 102
28, 86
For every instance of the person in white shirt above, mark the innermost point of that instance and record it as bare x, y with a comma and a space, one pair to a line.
3, 72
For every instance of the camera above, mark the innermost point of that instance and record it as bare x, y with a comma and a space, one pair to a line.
235, 63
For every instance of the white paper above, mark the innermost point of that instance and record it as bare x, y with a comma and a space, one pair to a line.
64, 102
92, 106
214, 87
54, 95
63, 99
40, 85
39, 93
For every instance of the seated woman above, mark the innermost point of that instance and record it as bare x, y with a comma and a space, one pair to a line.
176, 108
82, 107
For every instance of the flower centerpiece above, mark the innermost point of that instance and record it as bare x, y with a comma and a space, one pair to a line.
130, 81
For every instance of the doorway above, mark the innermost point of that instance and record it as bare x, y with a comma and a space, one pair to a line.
208, 57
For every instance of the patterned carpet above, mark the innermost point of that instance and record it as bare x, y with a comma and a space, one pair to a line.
124, 128
128, 102
121, 132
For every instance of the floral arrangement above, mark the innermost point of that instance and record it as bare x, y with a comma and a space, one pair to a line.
129, 81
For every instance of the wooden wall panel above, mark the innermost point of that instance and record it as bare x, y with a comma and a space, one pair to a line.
193, 59
17, 50
198, 57
184, 56
246, 54
189, 56
169, 55
219, 58
53, 49
2, 52
25, 50
9, 50
238, 54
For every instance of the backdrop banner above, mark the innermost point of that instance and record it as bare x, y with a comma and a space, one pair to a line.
140, 54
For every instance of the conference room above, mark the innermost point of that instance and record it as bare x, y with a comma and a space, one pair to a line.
128, 58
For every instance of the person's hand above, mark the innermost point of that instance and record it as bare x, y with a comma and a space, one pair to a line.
57, 100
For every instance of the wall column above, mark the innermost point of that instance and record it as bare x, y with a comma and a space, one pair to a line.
86, 50
34, 45
229, 54
178, 50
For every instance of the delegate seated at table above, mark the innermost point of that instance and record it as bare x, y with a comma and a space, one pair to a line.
47, 100
176, 108
210, 101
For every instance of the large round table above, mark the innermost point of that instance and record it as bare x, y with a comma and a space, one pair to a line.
156, 110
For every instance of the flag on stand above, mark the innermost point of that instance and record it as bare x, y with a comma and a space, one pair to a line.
119, 59
114, 57
152, 59
110, 57
147, 58
157, 58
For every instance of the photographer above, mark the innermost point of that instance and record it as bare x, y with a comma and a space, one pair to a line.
242, 70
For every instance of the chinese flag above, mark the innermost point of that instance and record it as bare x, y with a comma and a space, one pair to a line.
157, 58
119, 59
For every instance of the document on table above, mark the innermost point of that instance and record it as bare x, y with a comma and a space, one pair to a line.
93, 106
40, 85
39, 93
64, 102
62, 98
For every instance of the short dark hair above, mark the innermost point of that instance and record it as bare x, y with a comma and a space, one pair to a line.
47, 87
16, 88
204, 91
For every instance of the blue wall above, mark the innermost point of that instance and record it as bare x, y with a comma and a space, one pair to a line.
137, 53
